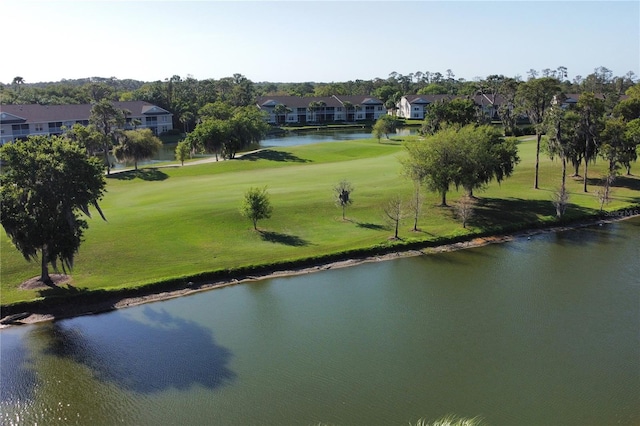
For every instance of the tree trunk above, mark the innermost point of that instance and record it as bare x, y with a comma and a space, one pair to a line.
564, 173
538, 137
396, 234
44, 275
106, 159
586, 169
444, 199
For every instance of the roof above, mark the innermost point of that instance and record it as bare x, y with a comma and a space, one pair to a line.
304, 101
36, 113
296, 101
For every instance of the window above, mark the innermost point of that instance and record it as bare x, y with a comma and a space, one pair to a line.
20, 129
165, 129
164, 118
39, 127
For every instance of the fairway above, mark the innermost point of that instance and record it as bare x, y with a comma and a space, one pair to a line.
171, 222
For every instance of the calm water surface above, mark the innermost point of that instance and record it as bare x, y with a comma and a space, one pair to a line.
323, 135
532, 332
167, 153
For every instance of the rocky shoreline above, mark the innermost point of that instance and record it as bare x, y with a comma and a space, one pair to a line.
112, 302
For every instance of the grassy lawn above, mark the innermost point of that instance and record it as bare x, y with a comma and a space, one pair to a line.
175, 222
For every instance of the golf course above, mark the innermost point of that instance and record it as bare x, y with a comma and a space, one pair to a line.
174, 224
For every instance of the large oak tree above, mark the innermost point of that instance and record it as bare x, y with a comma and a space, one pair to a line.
47, 183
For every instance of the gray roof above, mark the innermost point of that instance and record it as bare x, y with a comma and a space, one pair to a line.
304, 101
34, 113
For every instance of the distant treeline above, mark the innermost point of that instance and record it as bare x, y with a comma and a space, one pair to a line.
184, 97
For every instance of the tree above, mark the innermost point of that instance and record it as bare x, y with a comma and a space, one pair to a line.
185, 118
604, 193
560, 201
434, 159
411, 169
457, 111
561, 131
343, 195
470, 157
508, 89
534, 99
183, 151
590, 110
226, 132
619, 143
209, 136
384, 125
107, 119
47, 183
247, 126
256, 205
281, 110
464, 208
394, 212
484, 155
87, 137
137, 145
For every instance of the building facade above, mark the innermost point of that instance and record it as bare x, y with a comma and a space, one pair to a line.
20, 121
320, 109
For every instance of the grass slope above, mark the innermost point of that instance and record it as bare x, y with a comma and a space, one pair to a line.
180, 221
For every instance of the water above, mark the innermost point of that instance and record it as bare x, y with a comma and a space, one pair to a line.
167, 153
323, 135
531, 332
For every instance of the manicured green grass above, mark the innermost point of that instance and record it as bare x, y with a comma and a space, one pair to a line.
176, 222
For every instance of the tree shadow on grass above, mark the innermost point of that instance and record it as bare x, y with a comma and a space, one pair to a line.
502, 212
286, 239
629, 182
372, 226
272, 155
499, 213
63, 290
144, 174
158, 353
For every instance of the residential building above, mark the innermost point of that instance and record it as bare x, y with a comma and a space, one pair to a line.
415, 106
320, 109
20, 121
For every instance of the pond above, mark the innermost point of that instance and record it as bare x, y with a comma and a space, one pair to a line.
167, 153
537, 331
323, 135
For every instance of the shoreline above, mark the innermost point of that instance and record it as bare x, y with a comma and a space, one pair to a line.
109, 303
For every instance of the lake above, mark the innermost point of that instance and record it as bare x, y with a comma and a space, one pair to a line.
536, 331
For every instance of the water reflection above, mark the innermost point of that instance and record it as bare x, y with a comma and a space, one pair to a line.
16, 377
143, 356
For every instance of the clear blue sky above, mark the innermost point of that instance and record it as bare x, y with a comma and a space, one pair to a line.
319, 41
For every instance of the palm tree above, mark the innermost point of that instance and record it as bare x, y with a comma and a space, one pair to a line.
283, 110
185, 118
347, 106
